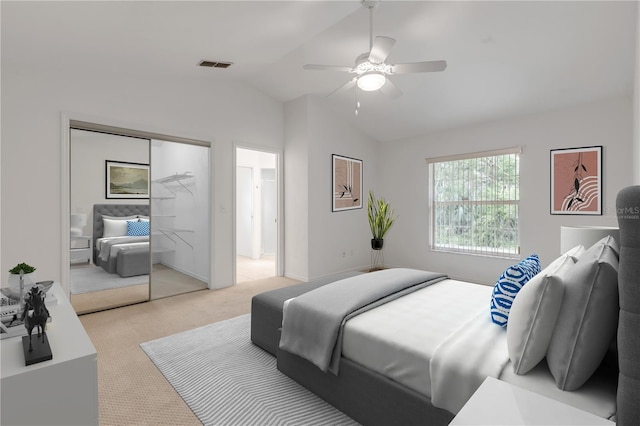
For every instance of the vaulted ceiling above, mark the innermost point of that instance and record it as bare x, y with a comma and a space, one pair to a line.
504, 58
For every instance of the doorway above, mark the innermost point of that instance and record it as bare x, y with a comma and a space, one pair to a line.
256, 214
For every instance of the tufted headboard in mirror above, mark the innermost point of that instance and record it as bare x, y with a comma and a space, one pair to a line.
114, 210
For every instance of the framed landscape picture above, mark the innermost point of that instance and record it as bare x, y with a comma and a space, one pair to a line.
126, 180
347, 183
576, 181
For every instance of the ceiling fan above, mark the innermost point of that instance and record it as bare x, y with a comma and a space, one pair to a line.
371, 71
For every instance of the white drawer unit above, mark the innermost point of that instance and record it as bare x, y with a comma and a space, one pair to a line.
81, 249
61, 391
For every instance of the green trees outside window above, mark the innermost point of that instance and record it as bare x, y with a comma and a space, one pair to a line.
475, 205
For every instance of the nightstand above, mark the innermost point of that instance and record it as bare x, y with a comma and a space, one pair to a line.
81, 249
500, 403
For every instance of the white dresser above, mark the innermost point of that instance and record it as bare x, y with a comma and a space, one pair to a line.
62, 391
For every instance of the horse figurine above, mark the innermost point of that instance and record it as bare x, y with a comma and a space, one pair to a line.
35, 313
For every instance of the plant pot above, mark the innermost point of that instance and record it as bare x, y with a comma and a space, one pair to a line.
28, 279
377, 244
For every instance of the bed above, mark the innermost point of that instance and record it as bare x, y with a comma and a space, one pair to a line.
374, 376
120, 247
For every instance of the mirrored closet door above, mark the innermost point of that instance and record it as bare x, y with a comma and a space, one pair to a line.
180, 218
139, 218
109, 197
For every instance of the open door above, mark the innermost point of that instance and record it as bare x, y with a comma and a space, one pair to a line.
256, 215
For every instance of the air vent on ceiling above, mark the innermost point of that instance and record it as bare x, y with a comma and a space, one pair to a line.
213, 64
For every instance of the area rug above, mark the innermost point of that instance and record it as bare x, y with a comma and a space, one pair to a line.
94, 278
227, 380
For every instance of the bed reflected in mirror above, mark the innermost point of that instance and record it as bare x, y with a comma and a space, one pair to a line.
109, 212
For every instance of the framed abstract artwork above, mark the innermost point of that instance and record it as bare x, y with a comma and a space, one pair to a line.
347, 183
576, 181
126, 180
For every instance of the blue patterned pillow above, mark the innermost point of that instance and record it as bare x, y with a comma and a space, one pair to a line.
508, 286
137, 229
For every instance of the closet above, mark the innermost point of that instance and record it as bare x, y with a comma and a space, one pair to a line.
180, 217
178, 201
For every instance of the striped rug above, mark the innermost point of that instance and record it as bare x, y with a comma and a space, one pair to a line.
226, 380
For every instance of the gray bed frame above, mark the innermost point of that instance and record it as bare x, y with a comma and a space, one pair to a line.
129, 263
373, 399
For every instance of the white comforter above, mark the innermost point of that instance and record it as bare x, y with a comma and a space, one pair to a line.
403, 338
440, 342
460, 364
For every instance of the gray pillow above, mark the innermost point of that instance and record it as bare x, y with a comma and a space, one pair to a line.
588, 318
534, 313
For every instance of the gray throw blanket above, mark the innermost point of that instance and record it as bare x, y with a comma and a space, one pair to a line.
105, 248
312, 324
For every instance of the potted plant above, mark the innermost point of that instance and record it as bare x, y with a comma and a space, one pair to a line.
28, 275
381, 218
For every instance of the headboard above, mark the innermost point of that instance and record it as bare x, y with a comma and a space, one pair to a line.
628, 212
117, 210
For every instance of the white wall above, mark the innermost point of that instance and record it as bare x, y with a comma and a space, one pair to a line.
337, 241
296, 189
404, 181
32, 103
636, 108
89, 151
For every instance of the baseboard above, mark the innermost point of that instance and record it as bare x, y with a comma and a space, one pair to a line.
296, 277
184, 271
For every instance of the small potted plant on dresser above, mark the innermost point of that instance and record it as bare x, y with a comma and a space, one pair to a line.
21, 278
381, 218
28, 275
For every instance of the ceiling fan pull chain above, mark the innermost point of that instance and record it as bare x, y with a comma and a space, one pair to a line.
370, 28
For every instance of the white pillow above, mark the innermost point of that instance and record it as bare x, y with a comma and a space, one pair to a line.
575, 252
114, 228
534, 313
104, 216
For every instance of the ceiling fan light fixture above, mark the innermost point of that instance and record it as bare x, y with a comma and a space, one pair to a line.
370, 81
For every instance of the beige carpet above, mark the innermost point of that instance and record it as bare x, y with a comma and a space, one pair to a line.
167, 282
131, 389
248, 269
106, 299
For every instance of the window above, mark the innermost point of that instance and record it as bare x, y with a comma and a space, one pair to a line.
474, 202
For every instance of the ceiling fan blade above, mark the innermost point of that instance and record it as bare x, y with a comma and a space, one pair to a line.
391, 90
327, 67
348, 85
380, 49
430, 66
